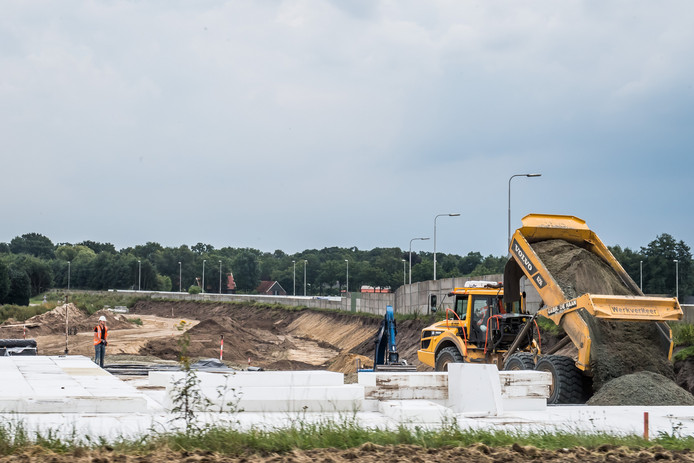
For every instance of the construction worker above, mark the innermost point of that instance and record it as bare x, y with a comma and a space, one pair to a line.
100, 343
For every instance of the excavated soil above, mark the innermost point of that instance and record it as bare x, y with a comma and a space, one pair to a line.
618, 348
642, 388
371, 453
277, 339
685, 374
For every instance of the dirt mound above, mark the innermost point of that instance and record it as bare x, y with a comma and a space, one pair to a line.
53, 321
346, 362
618, 348
642, 388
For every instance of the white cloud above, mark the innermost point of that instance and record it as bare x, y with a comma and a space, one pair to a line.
356, 121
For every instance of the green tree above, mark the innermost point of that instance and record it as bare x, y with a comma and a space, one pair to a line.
659, 268
33, 244
68, 252
20, 287
246, 271
98, 247
631, 261
4, 282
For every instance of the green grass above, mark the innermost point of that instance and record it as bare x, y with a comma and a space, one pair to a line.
548, 326
340, 435
21, 312
682, 334
683, 354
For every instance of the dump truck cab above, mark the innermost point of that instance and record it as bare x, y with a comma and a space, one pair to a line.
479, 327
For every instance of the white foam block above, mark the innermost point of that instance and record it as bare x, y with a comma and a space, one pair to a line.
278, 398
253, 378
474, 389
52, 384
404, 385
415, 411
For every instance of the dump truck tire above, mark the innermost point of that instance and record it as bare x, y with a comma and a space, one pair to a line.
567, 380
448, 355
520, 361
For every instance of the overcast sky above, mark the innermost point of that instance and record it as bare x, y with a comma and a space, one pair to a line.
300, 125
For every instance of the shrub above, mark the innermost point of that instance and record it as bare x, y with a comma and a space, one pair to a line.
683, 334
194, 289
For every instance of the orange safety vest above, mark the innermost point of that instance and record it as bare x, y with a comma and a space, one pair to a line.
98, 335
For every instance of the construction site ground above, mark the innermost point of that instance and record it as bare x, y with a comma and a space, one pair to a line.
266, 337
260, 336
274, 339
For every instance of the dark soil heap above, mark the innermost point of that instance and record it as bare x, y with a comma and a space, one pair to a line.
618, 347
642, 388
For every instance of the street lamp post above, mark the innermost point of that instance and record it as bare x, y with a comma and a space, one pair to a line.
202, 283
508, 240
68, 276
180, 275
139, 274
294, 276
305, 262
347, 285
439, 215
677, 279
220, 277
410, 287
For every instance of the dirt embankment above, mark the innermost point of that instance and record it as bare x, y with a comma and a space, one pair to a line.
277, 339
618, 348
372, 453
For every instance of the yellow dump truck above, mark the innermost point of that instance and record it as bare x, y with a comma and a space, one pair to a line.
479, 328
586, 292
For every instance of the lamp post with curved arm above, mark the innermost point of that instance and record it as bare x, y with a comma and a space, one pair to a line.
439, 215
508, 239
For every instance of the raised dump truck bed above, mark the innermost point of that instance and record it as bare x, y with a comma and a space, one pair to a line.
580, 294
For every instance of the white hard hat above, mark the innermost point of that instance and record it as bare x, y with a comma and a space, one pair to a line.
102, 318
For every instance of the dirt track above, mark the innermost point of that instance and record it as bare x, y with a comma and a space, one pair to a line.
379, 454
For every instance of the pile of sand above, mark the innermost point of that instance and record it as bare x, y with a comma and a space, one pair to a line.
642, 388
53, 321
579, 271
618, 347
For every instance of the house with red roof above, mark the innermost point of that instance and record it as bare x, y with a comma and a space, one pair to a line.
272, 288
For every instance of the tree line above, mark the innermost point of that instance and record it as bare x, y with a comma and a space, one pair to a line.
31, 264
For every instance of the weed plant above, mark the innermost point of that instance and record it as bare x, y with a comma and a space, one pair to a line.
683, 334
328, 434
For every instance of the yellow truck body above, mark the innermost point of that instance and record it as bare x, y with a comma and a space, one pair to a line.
564, 310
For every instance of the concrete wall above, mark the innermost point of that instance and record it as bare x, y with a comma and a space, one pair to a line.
408, 299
